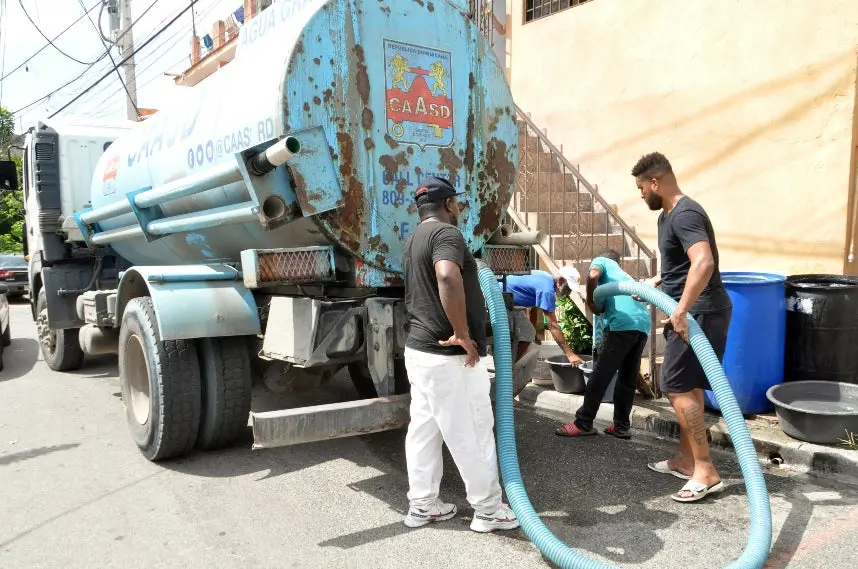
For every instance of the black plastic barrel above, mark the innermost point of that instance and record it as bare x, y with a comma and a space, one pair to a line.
821, 328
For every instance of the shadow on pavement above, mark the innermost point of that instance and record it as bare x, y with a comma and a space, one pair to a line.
19, 358
33, 453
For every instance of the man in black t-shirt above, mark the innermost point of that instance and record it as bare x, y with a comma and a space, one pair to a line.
449, 384
690, 275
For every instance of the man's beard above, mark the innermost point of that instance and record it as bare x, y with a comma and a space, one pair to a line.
654, 202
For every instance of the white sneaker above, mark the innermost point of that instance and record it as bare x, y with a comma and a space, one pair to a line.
502, 518
438, 511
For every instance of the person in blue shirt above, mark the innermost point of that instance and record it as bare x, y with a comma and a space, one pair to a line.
623, 326
541, 290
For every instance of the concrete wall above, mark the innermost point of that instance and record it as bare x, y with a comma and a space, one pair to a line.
752, 102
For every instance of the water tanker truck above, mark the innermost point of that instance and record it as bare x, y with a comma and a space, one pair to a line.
255, 226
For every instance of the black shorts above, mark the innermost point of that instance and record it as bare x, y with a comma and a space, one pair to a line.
681, 372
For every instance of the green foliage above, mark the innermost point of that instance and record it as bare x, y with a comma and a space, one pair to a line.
575, 327
12, 216
851, 441
7, 128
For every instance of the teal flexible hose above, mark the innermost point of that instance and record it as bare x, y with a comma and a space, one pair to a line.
760, 536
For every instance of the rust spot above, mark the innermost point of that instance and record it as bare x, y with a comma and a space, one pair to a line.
362, 77
366, 118
379, 260
310, 78
299, 45
394, 281
501, 170
412, 208
307, 107
331, 61
317, 101
317, 61
449, 161
391, 142
469, 145
409, 150
418, 170
368, 143
385, 9
419, 2
401, 185
391, 164
346, 221
430, 6
374, 241
302, 194
384, 248
327, 95
395, 228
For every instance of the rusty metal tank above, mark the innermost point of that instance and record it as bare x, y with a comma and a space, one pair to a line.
381, 93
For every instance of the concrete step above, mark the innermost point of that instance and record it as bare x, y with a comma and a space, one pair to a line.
559, 223
545, 182
535, 201
536, 161
586, 245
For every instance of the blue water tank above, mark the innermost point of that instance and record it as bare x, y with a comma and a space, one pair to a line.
754, 358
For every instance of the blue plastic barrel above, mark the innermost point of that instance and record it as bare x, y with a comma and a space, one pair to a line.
754, 358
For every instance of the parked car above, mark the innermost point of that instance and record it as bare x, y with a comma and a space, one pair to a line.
5, 324
13, 274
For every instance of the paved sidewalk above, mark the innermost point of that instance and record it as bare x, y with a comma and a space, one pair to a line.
656, 418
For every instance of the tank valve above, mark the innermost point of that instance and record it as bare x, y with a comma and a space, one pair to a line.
273, 156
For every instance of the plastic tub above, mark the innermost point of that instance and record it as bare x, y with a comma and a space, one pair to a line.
821, 328
754, 358
822, 412
567, 378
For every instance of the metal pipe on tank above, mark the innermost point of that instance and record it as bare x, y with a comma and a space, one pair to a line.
118, 234
523, 238
244, 212
219, 175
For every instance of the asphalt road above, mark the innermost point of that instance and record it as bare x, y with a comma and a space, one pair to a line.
74, 492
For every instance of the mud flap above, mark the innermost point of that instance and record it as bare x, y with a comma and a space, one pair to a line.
332, 421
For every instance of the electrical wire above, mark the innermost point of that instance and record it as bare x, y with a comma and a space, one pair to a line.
49, 40
126, 58
132, 98
100, 58
177, 37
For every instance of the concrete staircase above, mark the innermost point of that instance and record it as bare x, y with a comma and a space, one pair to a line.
576, 222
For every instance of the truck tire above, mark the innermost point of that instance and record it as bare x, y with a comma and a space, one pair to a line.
7, 336
61, 348
226, 387
161, 387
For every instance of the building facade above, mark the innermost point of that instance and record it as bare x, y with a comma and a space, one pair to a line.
753, 103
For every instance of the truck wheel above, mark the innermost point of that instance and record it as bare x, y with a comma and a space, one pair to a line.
60, 348
226, 382
160, 384
7, 336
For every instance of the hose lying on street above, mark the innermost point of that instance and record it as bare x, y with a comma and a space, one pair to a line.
760, 536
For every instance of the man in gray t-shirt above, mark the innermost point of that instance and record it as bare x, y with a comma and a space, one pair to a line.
449, 384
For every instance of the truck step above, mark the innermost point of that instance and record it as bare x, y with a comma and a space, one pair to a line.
286, 427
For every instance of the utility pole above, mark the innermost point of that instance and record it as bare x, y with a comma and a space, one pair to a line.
119, 13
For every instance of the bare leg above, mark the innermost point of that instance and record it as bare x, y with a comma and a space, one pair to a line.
684, 460
689, 411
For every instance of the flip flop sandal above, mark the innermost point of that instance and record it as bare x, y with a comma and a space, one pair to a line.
612, 430
698, 491
572, 430
663, 468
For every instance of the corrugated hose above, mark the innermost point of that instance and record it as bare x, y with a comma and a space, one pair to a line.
760, 536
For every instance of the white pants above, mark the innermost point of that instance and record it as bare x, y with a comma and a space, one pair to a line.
450, 403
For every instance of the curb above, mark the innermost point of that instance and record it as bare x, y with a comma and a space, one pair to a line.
656, 419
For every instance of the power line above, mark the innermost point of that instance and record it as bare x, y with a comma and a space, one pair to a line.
50, 42
127, 57
21, 3
177, 37
107, 50
84, 72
